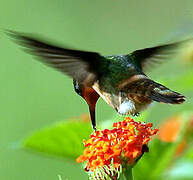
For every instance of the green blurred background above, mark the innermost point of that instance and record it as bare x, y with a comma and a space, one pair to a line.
33, 95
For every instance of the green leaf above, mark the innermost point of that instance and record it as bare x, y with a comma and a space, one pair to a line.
62, 139
181, 171
189, 152
127, 174
161, 155
155, 161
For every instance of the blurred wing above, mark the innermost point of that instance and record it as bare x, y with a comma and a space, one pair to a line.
158, 54
80, 65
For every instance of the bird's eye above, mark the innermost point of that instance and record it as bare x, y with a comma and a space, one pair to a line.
77, 88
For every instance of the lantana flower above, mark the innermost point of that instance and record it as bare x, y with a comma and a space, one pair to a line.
171, 129
117, 148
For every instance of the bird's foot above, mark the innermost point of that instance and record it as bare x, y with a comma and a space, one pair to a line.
94, 129
136, 114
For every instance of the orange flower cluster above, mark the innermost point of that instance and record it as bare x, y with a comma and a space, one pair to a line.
170, 129
121, 145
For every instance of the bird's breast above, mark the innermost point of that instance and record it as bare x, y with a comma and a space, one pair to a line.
90, 95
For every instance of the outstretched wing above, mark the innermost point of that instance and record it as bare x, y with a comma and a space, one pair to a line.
80, 65
147, 56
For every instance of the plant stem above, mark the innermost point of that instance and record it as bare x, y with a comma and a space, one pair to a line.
127, 174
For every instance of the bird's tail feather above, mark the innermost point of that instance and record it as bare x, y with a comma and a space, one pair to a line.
167, 96
155, 91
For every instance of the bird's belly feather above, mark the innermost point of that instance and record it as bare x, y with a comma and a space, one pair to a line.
123, 104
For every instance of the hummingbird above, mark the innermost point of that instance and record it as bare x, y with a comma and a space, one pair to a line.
120, 80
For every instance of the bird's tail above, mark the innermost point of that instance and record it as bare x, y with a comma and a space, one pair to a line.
155, 91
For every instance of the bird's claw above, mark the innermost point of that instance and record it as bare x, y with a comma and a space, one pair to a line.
94, 128
136, 114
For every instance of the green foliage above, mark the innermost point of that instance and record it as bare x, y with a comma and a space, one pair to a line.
161, 156
62, 139
188, 155
182, 170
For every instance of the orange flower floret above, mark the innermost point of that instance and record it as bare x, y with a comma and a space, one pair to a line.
123, 144
170, 129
